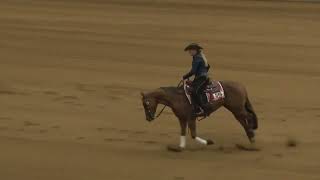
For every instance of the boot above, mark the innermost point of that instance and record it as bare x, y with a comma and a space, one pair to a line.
204, 110
196, 108
199, 108
203, 107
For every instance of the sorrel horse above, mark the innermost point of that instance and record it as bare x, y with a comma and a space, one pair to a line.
236, 101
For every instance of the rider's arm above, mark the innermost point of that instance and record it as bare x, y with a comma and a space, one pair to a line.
186, 76
195, 65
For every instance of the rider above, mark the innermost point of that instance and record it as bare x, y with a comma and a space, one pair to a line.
200, 68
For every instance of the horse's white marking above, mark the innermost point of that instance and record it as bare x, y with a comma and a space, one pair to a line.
201, 141
182, 141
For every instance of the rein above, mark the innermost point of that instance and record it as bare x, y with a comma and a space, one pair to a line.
164, 107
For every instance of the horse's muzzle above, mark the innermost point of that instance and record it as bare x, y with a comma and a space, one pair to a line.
149, 116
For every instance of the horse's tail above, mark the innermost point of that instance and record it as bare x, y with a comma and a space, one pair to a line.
253, 119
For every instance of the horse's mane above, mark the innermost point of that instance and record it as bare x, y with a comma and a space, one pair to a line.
173, 90
165, 91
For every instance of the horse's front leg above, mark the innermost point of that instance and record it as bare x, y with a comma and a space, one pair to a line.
193, 129
183, 126
183, 140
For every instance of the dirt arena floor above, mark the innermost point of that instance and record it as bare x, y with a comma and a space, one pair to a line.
71, 73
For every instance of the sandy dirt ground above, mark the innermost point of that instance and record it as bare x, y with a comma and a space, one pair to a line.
71, 72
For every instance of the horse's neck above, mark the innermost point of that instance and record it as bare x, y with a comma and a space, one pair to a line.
165, 96
161, 97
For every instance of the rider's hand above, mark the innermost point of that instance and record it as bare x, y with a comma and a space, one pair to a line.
184, 77
208, 67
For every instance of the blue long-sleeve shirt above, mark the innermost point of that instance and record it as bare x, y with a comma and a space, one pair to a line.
198, 69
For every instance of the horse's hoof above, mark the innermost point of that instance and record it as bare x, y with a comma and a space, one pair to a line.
174, 148
209, 142
252, 140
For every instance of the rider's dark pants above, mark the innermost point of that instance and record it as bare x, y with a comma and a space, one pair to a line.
197, 85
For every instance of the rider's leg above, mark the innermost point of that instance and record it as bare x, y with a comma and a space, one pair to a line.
198, 92
195, 97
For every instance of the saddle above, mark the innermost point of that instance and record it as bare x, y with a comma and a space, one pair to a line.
212, 90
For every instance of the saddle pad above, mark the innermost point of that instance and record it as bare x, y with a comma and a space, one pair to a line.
213, 91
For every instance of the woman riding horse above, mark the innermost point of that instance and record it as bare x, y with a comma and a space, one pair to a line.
200, 68
236, 100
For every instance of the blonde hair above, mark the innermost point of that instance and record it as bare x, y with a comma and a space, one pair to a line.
204, 58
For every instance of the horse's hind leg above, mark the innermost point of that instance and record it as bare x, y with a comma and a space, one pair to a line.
242, 116
193, 130
252, 117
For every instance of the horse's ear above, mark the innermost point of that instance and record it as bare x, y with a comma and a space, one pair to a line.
142, 94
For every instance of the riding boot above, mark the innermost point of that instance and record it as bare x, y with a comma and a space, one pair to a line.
204, 109
196, 95
196, 108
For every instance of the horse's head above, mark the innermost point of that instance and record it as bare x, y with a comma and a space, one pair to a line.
150, 106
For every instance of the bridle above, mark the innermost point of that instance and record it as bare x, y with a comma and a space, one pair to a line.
147, 103
148, 109
150, 114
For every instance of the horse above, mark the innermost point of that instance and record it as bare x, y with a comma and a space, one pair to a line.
236, 100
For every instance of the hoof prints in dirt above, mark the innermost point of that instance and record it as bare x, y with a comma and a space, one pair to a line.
85, 88
247, 148
66, 98
106, 129
112, 97
129, 141
3, 128
114, 139
237, 147
121, 89
43, 131
226, 150
122, 131
5, 118
112, 92
55, 127
178, 178
29, 123
80, 138
139, 132
20, 129
148, 142
50, 92
72, 100
279, 155
10, 92
127, 131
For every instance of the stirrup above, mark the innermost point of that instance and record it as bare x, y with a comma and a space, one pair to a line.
202, 112
197, 109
